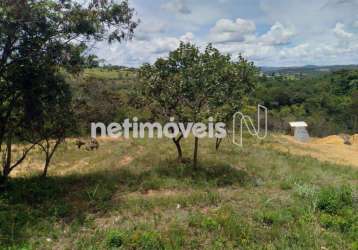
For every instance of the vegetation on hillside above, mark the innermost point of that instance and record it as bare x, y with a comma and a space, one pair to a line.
193, 86
41, 41
328, 102
133, 194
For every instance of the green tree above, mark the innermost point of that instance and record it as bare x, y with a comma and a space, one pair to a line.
191, 85
38, 36
237, 84
164, 94
55, 120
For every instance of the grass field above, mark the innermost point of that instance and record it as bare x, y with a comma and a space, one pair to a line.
132, 194
107, 74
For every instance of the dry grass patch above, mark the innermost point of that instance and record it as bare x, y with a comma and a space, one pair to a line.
331, 149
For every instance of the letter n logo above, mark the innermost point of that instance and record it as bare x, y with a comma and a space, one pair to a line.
244, 120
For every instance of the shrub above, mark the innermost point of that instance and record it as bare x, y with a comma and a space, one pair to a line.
210, 224
331, 199
345, 222
334, 222
146, 240
271, 217
115, 239
155, 183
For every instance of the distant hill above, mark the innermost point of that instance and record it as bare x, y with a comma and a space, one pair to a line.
308, 69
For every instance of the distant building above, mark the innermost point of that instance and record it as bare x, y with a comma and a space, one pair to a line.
299, 131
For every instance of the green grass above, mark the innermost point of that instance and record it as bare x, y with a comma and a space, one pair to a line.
132, 194
118, 81
102, 74
106, 74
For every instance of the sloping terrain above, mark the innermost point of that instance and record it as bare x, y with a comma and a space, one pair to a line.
331, 148
133, 194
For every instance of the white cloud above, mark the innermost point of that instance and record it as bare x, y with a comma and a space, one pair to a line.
177, 6
243, 31
340, 32
187, 37
272, 48
226, 30
311, 18
269, 32
138, 51
277, 35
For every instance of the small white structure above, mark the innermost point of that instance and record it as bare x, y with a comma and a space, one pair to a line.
299, 131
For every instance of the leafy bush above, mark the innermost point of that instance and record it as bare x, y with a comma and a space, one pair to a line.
155, 183
331, 199
115, 239
210, 223
134, 239
334, 222
271, 217
146, 240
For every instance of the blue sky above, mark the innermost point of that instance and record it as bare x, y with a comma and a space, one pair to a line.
268, 32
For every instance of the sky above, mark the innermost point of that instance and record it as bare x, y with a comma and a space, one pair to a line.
267, 32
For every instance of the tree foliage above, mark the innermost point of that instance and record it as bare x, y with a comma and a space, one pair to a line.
193, 85
39, 40
327, 102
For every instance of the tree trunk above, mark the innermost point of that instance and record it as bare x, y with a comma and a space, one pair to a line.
47, 163
49, 154
196, 145
218, 142
5, 175
178, 146
7, 161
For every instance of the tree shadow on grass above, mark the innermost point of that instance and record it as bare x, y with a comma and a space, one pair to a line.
28, 202
212, 174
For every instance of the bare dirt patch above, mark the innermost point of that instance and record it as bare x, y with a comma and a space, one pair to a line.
125, 160
331, 148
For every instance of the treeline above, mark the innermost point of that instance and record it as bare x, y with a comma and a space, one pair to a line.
328, 103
